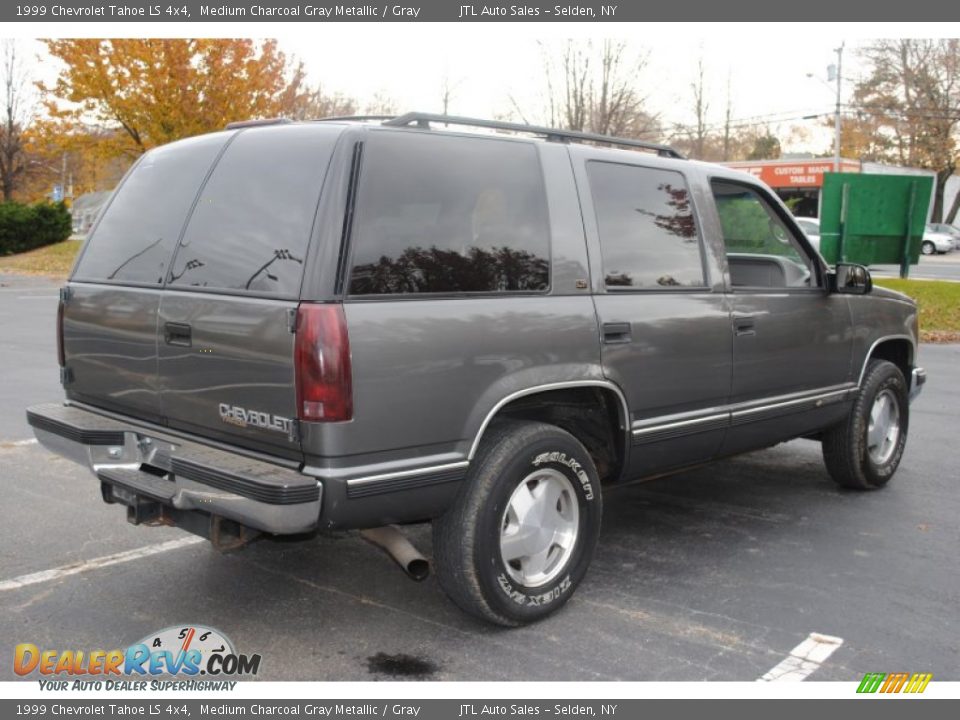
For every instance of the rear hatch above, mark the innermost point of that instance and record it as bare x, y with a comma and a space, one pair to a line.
226, 318
113, 299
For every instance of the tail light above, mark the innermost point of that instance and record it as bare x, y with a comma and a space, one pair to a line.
61, 357
322, 358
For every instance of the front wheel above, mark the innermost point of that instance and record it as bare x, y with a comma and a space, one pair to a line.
864, 451
928, 248
521, 534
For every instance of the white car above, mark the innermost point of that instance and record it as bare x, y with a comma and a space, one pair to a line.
951, 230
811, 228
935, 242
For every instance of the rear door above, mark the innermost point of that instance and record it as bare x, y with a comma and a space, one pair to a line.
664, 321
226, 341
110, 313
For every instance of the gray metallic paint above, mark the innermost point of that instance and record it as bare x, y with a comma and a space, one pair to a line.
241, 355
110, 340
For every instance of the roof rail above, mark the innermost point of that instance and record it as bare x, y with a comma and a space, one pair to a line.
423, 120
354, 118
255, 123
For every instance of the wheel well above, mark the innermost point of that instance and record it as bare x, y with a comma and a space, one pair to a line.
897, 351
590, 414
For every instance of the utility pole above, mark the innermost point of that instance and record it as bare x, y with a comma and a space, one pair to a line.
836, 128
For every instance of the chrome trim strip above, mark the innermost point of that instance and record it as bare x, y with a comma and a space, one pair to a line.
738, 410
541, 388
918, 378
647, 429
789, 403
866, 358
777, 400
406, 473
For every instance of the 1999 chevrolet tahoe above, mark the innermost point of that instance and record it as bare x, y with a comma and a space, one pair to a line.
289, 327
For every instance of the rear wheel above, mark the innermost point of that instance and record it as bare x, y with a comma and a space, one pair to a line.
864, 451
523, 529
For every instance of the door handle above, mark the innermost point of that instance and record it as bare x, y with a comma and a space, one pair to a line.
177, 334
744, 325
616, 333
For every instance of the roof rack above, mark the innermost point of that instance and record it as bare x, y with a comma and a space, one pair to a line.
256, 123
354, 118
423, 120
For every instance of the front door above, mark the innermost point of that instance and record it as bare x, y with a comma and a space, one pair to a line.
792, 339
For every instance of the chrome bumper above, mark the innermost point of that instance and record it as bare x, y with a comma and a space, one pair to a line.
134, 463
917, 380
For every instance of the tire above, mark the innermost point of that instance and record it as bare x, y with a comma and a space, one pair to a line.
928, 248
519, 463
855, 458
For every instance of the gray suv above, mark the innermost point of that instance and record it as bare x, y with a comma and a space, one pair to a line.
286, 328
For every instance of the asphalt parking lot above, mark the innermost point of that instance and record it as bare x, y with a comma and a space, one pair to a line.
715, 574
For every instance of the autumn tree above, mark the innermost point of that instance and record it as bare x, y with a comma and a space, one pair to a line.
910, 101
766, 146
158, 90
17, 114
593, 87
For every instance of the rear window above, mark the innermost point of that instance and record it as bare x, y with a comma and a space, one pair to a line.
449, 215
136, 236
251, 227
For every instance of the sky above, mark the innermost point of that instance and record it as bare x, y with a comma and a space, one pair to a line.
486, 64
767, 71
485, 72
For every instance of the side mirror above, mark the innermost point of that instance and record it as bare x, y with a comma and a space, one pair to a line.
851, 279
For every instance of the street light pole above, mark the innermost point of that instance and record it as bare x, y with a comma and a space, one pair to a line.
836, 128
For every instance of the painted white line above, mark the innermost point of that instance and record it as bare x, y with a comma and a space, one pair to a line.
38, 297
804, 659
97, 563
18, 443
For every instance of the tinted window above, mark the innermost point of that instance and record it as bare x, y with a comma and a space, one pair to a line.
449, 214
761, 250
136, 236
251, 226
648, 236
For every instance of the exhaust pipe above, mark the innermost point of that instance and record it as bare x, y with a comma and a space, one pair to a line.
392, 541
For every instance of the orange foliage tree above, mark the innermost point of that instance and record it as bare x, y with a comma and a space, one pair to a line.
154, 91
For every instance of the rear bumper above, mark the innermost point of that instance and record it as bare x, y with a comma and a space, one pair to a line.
179, 474
918, 379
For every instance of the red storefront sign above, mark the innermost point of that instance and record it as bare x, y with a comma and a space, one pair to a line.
798, 174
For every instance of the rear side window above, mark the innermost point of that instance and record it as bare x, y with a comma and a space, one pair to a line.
136, 236
648, 235
251, 227
449, 215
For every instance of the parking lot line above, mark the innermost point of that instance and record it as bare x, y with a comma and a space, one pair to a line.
804, 659
96, 563
18, 443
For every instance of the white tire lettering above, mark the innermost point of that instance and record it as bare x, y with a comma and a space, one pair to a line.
533, 600
562, 459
